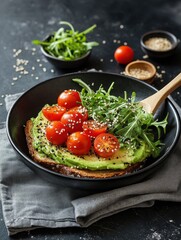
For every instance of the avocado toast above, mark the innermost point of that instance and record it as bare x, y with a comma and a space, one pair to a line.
57, 158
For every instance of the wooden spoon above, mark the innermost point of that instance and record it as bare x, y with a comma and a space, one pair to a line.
151, 104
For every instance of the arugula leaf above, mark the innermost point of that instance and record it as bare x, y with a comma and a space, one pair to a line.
125, 117
67, 44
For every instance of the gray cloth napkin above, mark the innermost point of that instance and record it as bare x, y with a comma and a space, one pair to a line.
29, 202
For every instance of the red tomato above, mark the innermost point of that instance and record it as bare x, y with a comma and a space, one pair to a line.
93, 128
73, 121
82, 110
124, 54
69, 99
79, 143
56, 133
105, 145
53, 113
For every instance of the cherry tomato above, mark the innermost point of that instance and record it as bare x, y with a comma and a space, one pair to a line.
124, 54
73, 121
53, 113
56, 132
79, 143
93, 128
82, 110
69, 99
105, 145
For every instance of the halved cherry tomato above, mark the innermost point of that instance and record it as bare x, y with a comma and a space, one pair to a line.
53, 113
56, 132
78, 143
124, 54
93, 128
82, 110
73, 121
69, 99
105, 145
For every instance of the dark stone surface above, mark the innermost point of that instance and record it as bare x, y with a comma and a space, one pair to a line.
22, 21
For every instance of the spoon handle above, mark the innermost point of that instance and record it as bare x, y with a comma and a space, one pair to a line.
152, 103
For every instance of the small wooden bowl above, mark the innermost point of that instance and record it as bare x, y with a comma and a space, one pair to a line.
141, 70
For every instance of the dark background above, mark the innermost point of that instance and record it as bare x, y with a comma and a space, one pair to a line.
118, 22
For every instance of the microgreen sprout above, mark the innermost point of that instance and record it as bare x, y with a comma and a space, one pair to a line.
125, 118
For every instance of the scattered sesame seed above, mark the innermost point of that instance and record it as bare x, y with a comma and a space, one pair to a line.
40, 65
38, 60
44, 69
15, 78
145, 56
121, 26
25, 72
17, 53
111, 60
33, 68
104, 41
37, 78
1, 104
125, 43
52, 70
101, 60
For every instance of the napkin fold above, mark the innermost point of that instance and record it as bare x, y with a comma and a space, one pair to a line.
29, 202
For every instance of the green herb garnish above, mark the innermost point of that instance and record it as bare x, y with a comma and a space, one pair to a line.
125, 118
67, 44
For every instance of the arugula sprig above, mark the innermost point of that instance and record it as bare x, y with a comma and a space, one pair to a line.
67, 44
125, 117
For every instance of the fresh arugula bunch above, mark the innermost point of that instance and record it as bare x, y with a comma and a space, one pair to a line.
67, 44
125, 118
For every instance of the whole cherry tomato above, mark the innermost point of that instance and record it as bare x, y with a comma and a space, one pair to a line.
73, 121
53, 113
56, 132
69, 99
80, 109
93, 128
79, 143
124, 54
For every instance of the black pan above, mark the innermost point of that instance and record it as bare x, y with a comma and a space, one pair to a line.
30, 103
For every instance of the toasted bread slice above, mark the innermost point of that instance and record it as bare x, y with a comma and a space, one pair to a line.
69, 171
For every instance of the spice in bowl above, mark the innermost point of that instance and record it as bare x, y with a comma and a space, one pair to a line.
141, 70
158, 44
